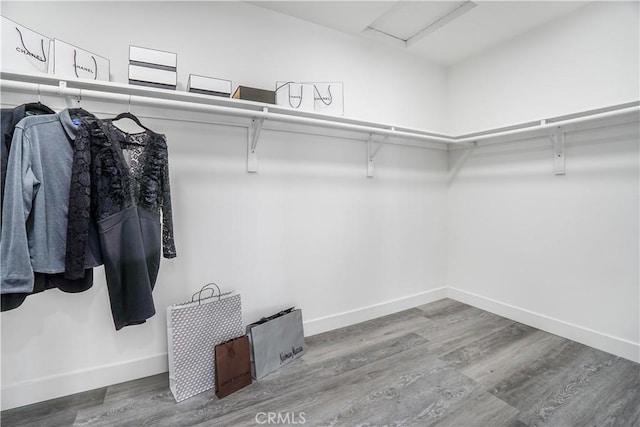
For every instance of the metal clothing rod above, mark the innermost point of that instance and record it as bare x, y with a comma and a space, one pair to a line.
157, 98
549, 123
207, 108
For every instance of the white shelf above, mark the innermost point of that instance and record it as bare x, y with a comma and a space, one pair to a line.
142, 95
125, 93
258, 113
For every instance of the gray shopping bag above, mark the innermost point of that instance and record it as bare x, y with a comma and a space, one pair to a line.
193, 330
275, 341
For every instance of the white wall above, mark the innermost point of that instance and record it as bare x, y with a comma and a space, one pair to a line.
251, 46
557, 252
585, 60
309, 230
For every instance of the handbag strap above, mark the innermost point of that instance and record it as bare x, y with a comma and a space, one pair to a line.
204, 288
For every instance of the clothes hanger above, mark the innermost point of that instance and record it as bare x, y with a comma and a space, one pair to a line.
130, 116
79, 112
38, 106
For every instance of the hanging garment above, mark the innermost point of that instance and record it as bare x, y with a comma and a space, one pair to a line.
122, 181
9, 118
33, 236
43, 282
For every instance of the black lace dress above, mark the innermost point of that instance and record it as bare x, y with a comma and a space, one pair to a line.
121, 181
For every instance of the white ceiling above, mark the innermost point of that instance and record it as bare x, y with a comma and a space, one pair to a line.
444, 32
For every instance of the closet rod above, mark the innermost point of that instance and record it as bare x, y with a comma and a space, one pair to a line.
158, 101
207, 108
550, 123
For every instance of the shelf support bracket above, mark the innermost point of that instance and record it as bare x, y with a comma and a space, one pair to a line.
371, 153
70, 100
557, 140
252, 143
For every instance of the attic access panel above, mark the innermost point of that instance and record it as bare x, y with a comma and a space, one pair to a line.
408, 22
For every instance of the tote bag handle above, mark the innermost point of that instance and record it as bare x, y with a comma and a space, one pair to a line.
75, 64
37, 57
288, 85
206, 287
321, 98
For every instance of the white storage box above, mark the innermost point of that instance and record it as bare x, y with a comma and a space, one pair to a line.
209, 86
73, 62
153, 58
23, 50
154, 77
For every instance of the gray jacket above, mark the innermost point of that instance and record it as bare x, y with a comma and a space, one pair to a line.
36, 201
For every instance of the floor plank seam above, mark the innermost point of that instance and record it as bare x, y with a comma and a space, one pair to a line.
443, 364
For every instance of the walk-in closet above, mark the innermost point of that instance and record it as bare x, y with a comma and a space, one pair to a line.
349, 213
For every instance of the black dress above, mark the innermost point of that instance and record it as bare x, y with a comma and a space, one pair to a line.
121, 181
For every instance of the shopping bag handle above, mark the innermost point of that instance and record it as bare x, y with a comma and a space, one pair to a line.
288, 85
315, 88
204, 288
274, 316
283, 85
37, 57
75, 64
229, 345
300, 101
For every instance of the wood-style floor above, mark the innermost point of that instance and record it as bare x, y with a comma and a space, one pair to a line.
442, 364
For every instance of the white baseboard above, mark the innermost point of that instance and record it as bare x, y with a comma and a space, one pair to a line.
601, 341
346, 318
28, 392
